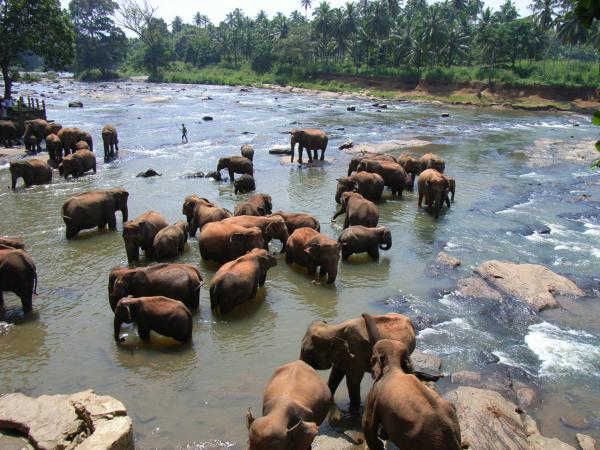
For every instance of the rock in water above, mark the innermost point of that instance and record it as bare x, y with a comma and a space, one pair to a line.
426, 366
351, 108
585, 442
149, 173
75, 104
445, 114
445, 259
281, 150
207, 118
347, 144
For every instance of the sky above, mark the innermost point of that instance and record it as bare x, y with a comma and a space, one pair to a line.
217, 9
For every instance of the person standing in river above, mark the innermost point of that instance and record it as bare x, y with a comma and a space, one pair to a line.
183, 129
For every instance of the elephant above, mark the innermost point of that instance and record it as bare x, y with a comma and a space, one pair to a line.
237, 281
244, 184
359, 210
257, 205
170, 241
177, 281
33, 171
148, 174
160, 314
393, 174
94, 209
346, 349
432, 161
18, 275
310, 140
52, 128
272, 227
110, 140
354, 162
82, 145
434, 187
369, 185
309, 248
235, 164
54, 147
293, 221
6, 242
199, 211
85, 137
451, 188
69, 138
9, 132
247, 151
399, 406
140, 232
359, 239
76, 164
295, 402
35, 132
223, 242
412, 166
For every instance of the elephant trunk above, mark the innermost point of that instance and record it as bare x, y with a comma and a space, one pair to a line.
385, 242
117, 326
133, 251
293, 146
14, 177
125, 213
332, 269
438, 203
284, 238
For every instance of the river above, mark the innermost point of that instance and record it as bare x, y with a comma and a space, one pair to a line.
517, 199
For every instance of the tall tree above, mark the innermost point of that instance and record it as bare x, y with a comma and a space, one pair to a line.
177, 25
39, 26
306, 4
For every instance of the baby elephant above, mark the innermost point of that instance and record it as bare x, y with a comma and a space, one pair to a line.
161, 314
244, 184
359, 239
78, 163
359, 210
170, 241
295, 403
237, 281
311, 249
411, 414
247, 151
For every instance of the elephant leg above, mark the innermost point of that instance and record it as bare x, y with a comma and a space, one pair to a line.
144, 332
111, 219
116, 149
371, 427
346, 252
420, 199
353, 383
323, 271
289, 258
322, 154
300, 149
346, 222
231, 175
71, 231
1, 298
310, 158
254, 289
26, 300
373, 251
335, 378
312, 270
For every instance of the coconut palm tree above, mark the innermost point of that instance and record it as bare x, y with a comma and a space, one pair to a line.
306, 4
322, 25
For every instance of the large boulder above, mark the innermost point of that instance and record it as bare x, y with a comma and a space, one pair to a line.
79, 421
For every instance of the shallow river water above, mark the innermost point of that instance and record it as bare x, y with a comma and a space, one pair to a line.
198, 395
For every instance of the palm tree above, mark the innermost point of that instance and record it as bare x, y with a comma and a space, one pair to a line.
433, 30
177, 25
201, 20
322, 26
306, 4
544, 13
571, 31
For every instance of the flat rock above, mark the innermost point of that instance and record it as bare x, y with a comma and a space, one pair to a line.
477, 288
75, 104
530, 283
282, 150
346, 145
586, 442
426, 366
445, 259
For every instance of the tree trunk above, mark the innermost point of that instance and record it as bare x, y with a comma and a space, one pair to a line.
7, 81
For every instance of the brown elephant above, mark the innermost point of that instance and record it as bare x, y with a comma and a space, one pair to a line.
54, 147
52, 128
247, 151
140, 232
6, 242
18, 274
110, 140
434, 187
293, 221
257, 205
272, 227
432, 161
309, 248
199, 211
359, 239
160, 314
244, 184
223, 242
295, 402
354, 162
69, 138
94, 209
170, 241
9, 131
412, 166
369, 185
238, 281
35, 132
177, 281
359, 210
235, 164
346, 349
82, 145
399, 406
85, 137
393, 174
310, 140
451, 188
78, 163
33, 171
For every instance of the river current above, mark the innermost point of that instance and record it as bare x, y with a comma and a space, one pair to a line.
517, 199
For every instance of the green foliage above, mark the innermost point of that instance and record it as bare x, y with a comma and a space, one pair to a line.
97, 75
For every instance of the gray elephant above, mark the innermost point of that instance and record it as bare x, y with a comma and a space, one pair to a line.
177, 281
85, 137
170, 241
412, 166
311, 249
247, 151
223, 242
257, 205
54, 147
78, 163
244, 184
160, 314
393, 174
451, 188
110, 140
18, 275
35, 132
52, 128
308, 139
293, 221
369, 185
33, 171
346, 349
359, 239
238, 281
434, 187
9, 133
69, 138
272, 227
432, 161
140, 232
354, 162
199, 211
94, 209
359, 210
235, 164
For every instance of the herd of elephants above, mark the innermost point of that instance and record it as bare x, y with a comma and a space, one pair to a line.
160, 297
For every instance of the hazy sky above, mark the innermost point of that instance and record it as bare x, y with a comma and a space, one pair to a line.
217, 9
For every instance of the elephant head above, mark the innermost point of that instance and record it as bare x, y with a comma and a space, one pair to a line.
322, 346
436, 191
125, 312
120, 283
244, 241
267, 203
269, 433
278, 230
133, 235
345, 184
353, 166
86, 137
190, 203
16, 172
120, 197
385, 238
326, 255
71, 166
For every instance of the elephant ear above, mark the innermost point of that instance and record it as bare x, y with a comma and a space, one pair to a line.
341, 349
313, 249
249, 418
302, 434
377, 365
238, 239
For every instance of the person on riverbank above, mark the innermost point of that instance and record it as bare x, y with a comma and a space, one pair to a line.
183, 129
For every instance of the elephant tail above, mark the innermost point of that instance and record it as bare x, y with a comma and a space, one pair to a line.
213, 296
35, 282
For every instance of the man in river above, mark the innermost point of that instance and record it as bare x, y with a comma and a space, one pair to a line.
183, 130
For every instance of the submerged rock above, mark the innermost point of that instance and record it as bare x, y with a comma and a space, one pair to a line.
351, 108
80, 421
445, 259
76, 104
281, 150
346, 145
586, 442
426, 366
149, 173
